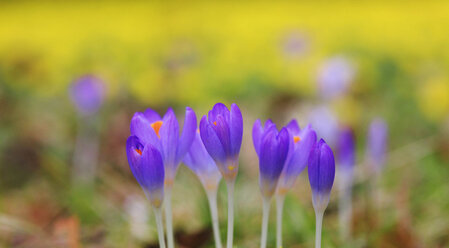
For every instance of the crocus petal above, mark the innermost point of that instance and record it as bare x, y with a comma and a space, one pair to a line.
141, 128
236, 129
200, 162
221, 128
293, 127
151, 115
154, 174
188, 134
257, 135
134, 151
218, 109
169, 134
212, 142
297, 161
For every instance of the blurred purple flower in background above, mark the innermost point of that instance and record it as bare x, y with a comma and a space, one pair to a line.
87, 94
295, 44
346, 149
377, 144
335, 76
325, 123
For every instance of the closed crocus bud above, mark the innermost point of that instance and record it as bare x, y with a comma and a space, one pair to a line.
87, 94
301, 143
272, 149
377, 144
221, 132
200, 162
147, 167
321, 172
163, 133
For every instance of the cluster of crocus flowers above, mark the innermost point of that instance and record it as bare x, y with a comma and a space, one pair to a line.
156, 148
162, 135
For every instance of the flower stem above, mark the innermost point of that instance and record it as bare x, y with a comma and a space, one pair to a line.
318, 225
160, 227
230, 234
265, 214
168, 218
279, 210
212, 197
345, 210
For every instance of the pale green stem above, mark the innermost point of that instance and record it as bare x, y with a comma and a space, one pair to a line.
168, 218
345, 210
160, 227
279, 209
318, 225
230, 234
265, 215
212, 197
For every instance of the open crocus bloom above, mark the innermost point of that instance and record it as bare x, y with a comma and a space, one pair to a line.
164, 135
221, 132
147, 167
200, 162
301, 143
272, 148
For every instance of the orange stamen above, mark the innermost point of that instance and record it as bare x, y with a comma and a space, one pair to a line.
156, 127
296, 139
215, 123
138, 151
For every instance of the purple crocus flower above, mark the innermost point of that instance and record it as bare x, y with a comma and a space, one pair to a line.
272, 148
321, 172
346, 149
87, 94
377, 144
301, 143
200, 162
147, 167
221, 132
164, 135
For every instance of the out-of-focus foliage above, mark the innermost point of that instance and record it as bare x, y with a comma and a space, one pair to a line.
265, 56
